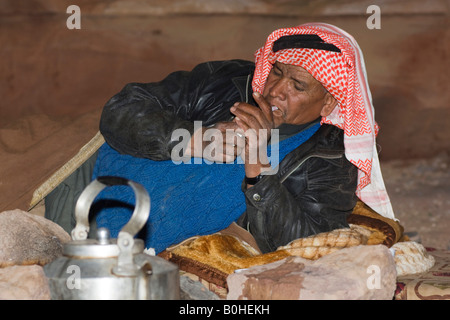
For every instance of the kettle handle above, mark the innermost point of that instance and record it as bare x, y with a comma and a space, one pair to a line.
87, 197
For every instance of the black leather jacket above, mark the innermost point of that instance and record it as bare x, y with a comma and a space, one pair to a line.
314, 188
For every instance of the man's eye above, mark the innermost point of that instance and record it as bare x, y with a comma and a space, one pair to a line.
299, 88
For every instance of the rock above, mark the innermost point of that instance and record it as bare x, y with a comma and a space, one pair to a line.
360, 272
29, 239
194, 290
23, 283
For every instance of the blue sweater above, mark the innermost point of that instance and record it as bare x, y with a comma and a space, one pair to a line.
186, 199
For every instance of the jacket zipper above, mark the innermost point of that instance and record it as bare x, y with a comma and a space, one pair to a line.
247, 88
313, 155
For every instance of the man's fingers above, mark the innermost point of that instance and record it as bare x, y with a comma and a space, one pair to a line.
226, 125
248, 116
264, 106
252, 116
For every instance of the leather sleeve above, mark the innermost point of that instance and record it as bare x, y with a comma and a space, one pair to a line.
141, 118
316, 198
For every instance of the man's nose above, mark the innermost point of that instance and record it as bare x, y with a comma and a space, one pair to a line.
278, 89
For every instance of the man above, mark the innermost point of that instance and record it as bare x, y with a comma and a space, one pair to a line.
308, 89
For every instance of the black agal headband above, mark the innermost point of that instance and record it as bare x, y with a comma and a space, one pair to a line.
307, 41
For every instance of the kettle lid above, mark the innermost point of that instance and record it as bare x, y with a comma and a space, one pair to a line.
101, 247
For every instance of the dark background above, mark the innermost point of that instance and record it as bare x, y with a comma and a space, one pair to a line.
55, 81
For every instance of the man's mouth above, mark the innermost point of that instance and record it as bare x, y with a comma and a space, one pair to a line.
277, 111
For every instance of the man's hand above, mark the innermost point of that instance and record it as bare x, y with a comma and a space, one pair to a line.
218, 143
256, 124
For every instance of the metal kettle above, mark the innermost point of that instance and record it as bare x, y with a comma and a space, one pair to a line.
105, 268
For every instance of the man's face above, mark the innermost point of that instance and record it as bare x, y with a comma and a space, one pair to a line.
295, 96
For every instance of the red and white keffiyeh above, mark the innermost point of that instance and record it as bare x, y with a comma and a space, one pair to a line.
343, 74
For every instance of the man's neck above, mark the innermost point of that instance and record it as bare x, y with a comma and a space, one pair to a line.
287, 130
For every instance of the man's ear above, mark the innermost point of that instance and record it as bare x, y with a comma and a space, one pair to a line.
330, 103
